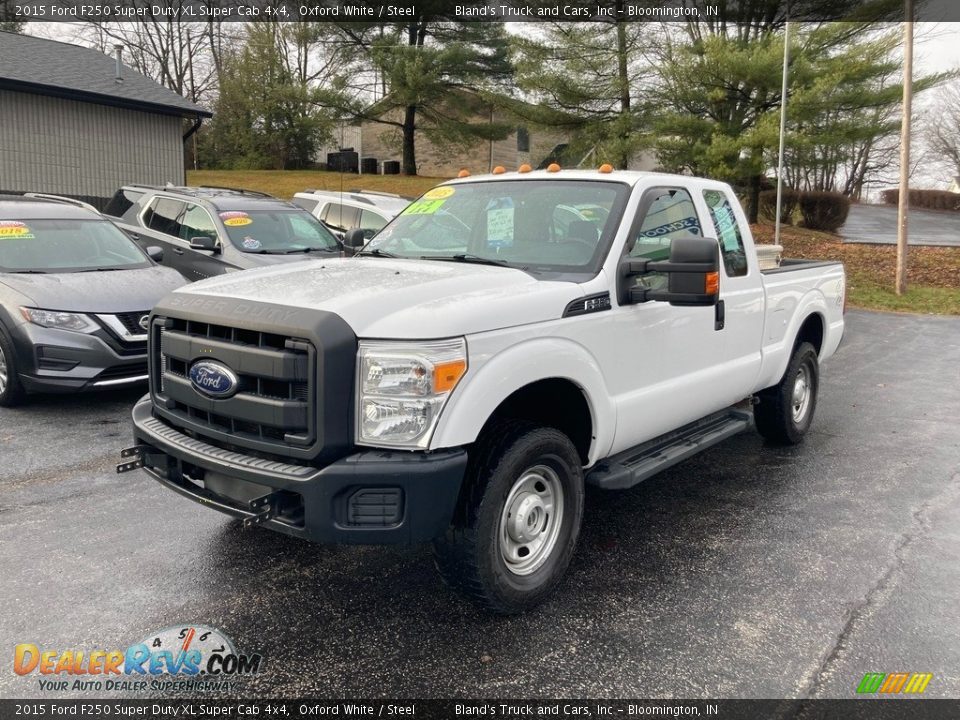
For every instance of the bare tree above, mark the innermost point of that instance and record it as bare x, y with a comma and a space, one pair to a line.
942, 131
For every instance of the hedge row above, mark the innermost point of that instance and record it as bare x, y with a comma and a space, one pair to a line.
929, 199
820, 210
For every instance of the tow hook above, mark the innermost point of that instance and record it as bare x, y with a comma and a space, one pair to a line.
266, 507
137, 452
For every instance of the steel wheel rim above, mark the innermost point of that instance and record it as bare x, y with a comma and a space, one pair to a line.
531, 519
3, 372
801, 394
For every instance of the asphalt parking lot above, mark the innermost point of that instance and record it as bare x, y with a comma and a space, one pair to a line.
878, 224
748, 571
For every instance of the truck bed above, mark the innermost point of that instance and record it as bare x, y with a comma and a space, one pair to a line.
792, 264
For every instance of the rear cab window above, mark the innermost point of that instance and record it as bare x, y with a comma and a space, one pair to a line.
728, 232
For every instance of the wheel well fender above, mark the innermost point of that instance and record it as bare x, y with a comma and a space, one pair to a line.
808, 324
553, 381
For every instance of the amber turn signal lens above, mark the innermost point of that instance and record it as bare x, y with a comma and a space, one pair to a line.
499, 170
524, 168
711, 283
447, 375
606, 168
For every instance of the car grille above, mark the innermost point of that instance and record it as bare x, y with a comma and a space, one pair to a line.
131, 321
273, 409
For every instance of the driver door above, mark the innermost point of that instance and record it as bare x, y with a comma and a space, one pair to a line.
662, 363
200, 264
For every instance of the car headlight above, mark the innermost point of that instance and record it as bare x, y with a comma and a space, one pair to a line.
77, 322
402, 388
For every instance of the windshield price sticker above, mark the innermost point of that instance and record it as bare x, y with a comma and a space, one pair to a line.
424, 207
235, 218
14, 230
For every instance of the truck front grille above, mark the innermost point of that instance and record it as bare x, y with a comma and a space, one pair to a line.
273, 408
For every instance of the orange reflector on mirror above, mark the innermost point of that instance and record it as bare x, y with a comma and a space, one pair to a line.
447, 375
711, 283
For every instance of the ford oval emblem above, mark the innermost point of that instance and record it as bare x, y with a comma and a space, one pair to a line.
214, 379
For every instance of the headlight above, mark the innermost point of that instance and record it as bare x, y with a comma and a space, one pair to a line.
76, 322
402, 387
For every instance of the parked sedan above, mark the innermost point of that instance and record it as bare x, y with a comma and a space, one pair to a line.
75, 299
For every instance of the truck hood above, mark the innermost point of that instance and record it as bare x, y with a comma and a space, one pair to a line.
115, 291
401, 299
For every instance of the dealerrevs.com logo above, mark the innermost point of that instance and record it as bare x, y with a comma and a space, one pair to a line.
182, 658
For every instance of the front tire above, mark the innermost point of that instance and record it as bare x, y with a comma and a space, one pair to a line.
783, 413
518, 518
11, 391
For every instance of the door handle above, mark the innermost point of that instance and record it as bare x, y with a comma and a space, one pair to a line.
177, 251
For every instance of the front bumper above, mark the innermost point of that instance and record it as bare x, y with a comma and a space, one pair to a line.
371, 497
52, 360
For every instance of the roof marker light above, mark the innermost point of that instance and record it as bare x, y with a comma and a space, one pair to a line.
525, 168
463, 173
605, 168
499, 170
553, 167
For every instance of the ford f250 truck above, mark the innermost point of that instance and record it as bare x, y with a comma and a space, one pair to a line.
505, 340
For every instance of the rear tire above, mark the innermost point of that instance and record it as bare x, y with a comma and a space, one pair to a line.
518, 518
11, 391
784, 412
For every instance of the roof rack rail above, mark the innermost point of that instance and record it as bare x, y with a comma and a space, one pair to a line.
242, 191
62, 199
379, 192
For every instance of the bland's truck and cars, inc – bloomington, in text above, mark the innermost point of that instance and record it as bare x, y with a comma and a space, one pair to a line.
502, 342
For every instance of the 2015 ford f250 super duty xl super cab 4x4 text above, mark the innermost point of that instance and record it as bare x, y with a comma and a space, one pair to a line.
504, 340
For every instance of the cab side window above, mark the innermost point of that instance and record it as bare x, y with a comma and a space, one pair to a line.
728, 232
164, 216
197, 223
672, 214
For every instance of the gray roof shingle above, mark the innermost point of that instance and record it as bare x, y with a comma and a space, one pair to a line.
49, 67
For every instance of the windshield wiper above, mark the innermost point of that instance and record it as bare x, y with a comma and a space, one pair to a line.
467, 258
376, 252
27, 272
103, 269
310, 250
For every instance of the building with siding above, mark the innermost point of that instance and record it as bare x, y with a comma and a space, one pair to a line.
73, 125
435, 158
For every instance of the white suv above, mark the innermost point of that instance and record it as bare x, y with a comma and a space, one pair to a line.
345, 211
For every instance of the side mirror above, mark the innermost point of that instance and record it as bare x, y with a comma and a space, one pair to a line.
155, 253
354, 239
692, 273
204, 243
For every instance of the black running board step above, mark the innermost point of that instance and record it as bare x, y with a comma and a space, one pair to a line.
635, 465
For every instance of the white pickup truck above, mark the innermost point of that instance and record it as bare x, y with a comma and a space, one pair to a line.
505, 340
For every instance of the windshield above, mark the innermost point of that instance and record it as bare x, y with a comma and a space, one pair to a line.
66, 246
277, 231
532, 224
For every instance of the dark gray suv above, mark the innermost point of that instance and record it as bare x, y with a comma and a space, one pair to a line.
207, 231
75, 296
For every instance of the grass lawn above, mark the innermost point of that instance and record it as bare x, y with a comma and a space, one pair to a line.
284, 183
933, 278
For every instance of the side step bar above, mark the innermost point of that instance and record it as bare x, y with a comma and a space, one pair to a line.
635, 465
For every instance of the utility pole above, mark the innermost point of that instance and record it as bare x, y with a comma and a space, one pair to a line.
783, 126
904, 199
